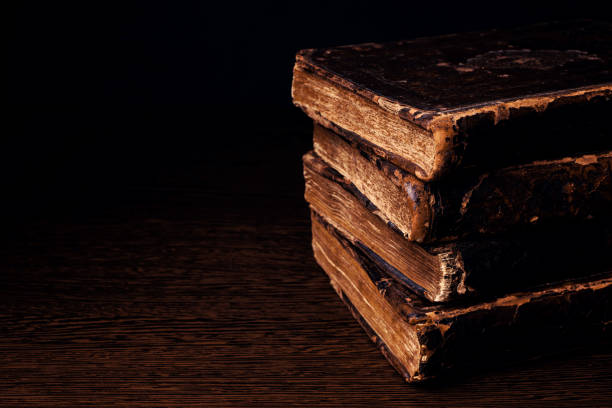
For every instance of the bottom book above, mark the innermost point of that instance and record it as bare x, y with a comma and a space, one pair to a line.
423, 340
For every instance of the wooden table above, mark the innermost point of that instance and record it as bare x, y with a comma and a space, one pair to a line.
197, 287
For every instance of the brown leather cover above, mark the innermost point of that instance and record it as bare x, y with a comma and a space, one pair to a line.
498, 97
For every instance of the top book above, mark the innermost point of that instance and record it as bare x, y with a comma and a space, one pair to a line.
500, 97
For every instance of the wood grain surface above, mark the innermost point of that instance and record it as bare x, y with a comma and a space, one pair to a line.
200, 289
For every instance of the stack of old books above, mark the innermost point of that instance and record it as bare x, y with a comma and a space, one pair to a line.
460, 188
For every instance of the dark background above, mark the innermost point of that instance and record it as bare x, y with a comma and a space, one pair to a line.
103, 96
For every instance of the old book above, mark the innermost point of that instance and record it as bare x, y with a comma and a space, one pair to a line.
473, 203
423, 340
486, 99
442, 272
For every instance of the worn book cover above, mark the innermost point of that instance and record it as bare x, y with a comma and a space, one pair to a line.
423, 340
492, 98
463, 268
474, 203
